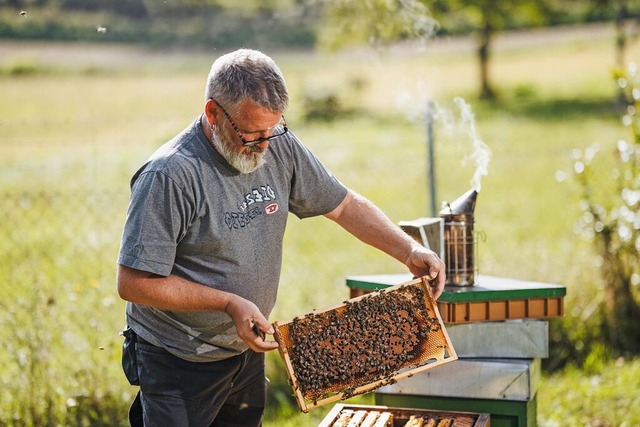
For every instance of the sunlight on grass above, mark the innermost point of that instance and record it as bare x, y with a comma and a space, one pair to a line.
606, 396
80, 136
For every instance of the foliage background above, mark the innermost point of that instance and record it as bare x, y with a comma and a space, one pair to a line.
77, 119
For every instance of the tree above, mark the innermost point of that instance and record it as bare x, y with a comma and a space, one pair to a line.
373, 22
485, 18
621, 12
379, 22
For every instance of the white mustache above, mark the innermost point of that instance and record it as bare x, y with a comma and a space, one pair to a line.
255, 149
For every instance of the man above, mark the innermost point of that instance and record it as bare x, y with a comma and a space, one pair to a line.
201, 250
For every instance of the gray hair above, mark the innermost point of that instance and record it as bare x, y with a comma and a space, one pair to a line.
247, 73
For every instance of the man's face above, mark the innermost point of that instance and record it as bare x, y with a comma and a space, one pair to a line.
252, 122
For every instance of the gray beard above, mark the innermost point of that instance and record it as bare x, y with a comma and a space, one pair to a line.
242, 162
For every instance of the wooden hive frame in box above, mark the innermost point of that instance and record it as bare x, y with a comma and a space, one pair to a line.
365, 343
345, 415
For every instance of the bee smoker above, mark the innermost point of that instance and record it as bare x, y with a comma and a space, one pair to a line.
459, 239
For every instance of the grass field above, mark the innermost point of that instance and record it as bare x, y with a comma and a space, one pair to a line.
76, 121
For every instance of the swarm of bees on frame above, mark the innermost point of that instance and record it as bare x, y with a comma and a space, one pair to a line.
365, 340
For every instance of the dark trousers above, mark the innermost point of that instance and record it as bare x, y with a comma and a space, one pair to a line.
178, 393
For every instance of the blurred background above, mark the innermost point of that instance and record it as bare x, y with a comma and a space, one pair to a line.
532, 102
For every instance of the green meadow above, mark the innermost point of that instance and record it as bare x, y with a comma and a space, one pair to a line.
77, 120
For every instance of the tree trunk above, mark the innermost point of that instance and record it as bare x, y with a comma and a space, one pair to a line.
486, 91
621, 34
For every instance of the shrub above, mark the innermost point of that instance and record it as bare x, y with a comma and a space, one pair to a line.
611, 220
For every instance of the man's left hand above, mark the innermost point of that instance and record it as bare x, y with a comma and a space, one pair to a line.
425, 262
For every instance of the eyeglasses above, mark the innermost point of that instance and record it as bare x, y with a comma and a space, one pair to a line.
252, 142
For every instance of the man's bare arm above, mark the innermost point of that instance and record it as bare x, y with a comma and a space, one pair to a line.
177, 294
364, 220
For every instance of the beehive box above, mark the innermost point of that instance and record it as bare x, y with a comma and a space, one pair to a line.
494, 379
382, 416
362, 344
490, 299
479, 311
516, 339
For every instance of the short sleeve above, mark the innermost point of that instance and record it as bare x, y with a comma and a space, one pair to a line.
157, 219
314, 189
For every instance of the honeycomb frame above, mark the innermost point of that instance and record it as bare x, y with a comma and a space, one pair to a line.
364, 343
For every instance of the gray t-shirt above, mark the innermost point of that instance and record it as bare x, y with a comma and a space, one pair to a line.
191, 214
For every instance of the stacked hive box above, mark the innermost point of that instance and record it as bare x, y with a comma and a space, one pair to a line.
498, 331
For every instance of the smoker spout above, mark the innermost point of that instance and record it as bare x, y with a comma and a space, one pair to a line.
464, 204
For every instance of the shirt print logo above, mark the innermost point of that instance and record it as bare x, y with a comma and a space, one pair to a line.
257, 195
251, 207
271, 209
240, 219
